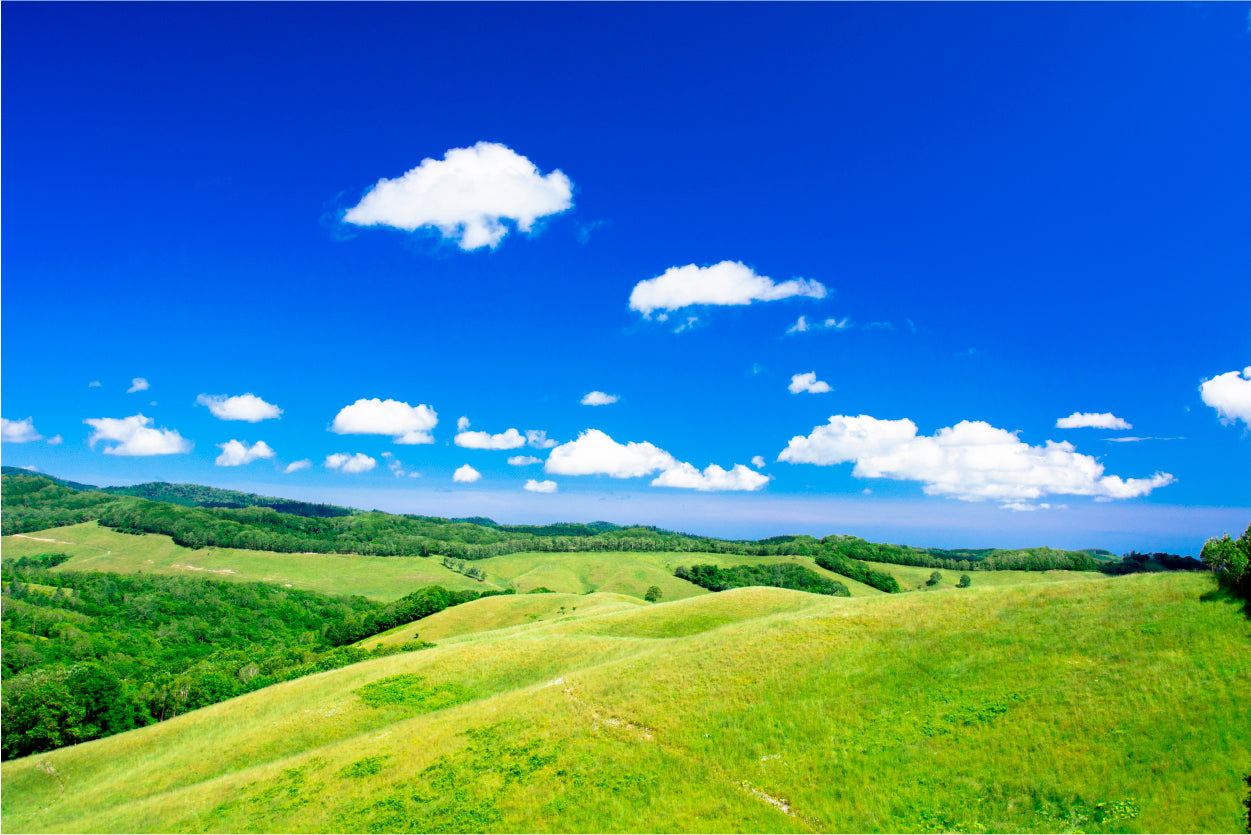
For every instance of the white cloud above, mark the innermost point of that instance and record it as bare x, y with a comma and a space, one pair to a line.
595, 453
758, 462
598, 398
18, 431
971, 461
1102, 420
535, 486
712, 478
358, 463
485, 440
247, 407
137, 384
838, 324
691, 321
134, 435
236, 453
802, 325
466, 474
406, 424
466, 195
54, 440
809, 383
397, 468
523, 460
538, 439
1230, 395
462, 423
726, 283
294, 466
94, 384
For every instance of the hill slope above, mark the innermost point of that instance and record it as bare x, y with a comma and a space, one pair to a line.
1108, 706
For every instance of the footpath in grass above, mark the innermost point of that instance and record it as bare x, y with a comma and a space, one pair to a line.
1112, 706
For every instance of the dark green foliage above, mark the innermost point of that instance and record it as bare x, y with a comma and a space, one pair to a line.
1230, 560
653, 594
195, 495
73, 485
411, 691
41, 561
1136, 563
540, 590
858, 571
365, 767
965, 581
934, 579
784, 575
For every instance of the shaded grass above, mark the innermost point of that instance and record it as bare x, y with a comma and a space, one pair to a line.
1103, 706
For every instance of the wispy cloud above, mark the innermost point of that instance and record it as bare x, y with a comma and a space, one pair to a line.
137, 384
726, 283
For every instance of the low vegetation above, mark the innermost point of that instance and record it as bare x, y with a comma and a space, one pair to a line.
782, 576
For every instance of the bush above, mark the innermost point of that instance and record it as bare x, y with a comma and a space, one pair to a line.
653, 594
934, 579
965, 581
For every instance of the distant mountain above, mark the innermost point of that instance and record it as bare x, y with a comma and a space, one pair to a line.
196, 495
73, 485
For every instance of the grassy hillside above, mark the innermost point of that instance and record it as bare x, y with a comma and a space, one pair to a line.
1114, 706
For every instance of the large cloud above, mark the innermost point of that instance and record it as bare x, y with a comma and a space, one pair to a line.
406, 424
595, 453
972, 461
485, 440
134, 435
1230, 395
18, 431
1100, 420
358, 463
466, 195
237, 453
246, 407
726, 283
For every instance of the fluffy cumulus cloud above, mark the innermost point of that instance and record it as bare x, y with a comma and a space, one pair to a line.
712, 478
598, 398
1101, 420
485, 440
523, 460
466, 196
296, 466
247, 407
18, 431
135, 435
536, 486
237, 453
758, 462
466, 474
462, 423
595, 453
726, 283
972, 461
1230, 395
538, 439
406, 424
137, 384
809, 383
344, 463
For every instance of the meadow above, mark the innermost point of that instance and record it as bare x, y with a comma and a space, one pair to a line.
1115, 705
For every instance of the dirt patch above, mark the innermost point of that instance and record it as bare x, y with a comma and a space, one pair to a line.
209, 570
41, 539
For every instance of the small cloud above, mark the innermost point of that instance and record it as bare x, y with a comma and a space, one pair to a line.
135, 436
466, 195
246, 407
404, 423
358, 463
397, 469
55, 440
598, 398
466, 474
538, 439
838, 324
1130, 439
238, 453
523, 460
1102, 420
713, 478
809, 383
585, 230
18, 431
691, 321
726, 283
510, 439
137, 384
462, 423
94, 384
535, 486
866, 491
758, 462
800, 326
1230, 395
295, 466
756, 369
1027, 506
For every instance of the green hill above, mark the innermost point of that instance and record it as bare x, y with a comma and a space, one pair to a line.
1112, 706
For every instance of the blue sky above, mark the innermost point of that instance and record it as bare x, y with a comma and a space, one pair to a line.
991, 218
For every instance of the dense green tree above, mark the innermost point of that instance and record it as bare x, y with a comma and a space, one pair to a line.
653, 594
965, 581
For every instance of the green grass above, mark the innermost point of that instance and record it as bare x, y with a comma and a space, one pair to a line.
1116, 706
912, 578
96, 548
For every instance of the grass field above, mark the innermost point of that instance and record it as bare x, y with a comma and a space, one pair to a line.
1109, 706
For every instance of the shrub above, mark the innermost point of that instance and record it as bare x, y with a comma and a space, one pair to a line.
965, 581
653, 594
